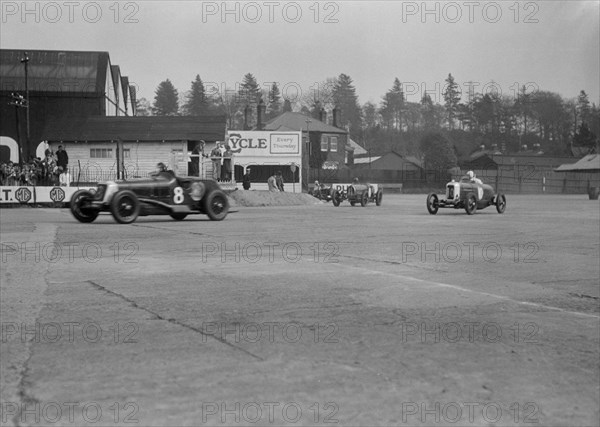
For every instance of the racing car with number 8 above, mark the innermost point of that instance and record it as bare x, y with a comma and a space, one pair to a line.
161, 194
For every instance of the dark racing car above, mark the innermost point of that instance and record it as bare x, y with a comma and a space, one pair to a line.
162, 194
469, 194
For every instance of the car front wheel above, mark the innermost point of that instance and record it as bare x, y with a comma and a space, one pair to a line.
471, 203
364, 199
379, 197
81, 213
432, 203
336, 198
216, 205
500, 203
125, 207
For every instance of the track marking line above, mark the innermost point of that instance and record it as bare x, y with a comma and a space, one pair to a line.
459, 288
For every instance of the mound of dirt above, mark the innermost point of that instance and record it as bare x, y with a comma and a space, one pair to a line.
254, 198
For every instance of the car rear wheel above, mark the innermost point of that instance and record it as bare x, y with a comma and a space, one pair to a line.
80, 213
379, 197
364, 199
500, 203
432, 203
336, 198
125, 207
216, 205
471, 203
178, 216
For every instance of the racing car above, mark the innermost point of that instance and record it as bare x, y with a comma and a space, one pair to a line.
161, 194
323, 192
469, 193
358, 193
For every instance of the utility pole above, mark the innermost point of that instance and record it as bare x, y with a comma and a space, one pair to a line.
25, 60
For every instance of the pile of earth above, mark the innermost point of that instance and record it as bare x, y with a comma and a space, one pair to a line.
255, 198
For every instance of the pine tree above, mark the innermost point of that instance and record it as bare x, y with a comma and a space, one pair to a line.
345, 98
196, 103
287, 105
451, 99
274, 105
166, 101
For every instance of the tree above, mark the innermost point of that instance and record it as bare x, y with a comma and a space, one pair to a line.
583, 108
438, 154
274, 104
196, 103
287, 105
451, 99
143, 107
585, 138
166, 101
345, 98
249, 94
392, 106
428, 113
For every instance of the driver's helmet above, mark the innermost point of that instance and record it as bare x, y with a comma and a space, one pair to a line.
470, 174
355, 181
161, 167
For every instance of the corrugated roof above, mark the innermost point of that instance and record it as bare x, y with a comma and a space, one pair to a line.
364, 160
589, 163
297, 122
358, 149
154, 128
54, 71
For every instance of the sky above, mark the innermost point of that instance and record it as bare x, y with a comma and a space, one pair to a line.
489, 46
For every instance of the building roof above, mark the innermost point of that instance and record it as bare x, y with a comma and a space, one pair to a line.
485, 160
589, 163
291, 121
390, 158
54, 71
365, 160
153, 128
358, 149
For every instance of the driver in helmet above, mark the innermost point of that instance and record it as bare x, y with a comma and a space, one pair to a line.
473, 178
161, 170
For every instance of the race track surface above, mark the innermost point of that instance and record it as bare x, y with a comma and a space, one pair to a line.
305, 315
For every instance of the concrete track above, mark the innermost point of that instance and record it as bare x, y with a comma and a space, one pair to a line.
304, 316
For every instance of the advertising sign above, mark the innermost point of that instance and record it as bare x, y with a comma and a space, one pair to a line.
264, 144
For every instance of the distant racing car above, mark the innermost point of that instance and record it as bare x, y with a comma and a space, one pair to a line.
469, 193
358, 193
162, 194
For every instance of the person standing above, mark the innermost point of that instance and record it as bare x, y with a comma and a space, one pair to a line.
272, 182
226, 170
62, 158
215, 156
279, 181
246, 180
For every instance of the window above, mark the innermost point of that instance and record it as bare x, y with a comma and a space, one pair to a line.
126, 153
101, 153
324, 143
333, 146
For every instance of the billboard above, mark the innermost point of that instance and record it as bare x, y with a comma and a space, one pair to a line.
264, 144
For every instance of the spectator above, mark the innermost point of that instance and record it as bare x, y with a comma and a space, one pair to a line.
226, 169
215, 156
64, 177
62, 158
246, 180
272, 182
279, 181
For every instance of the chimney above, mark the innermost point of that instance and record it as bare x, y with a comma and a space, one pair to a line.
323, 115
246, 116
316, 112
260, 114
337, 117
